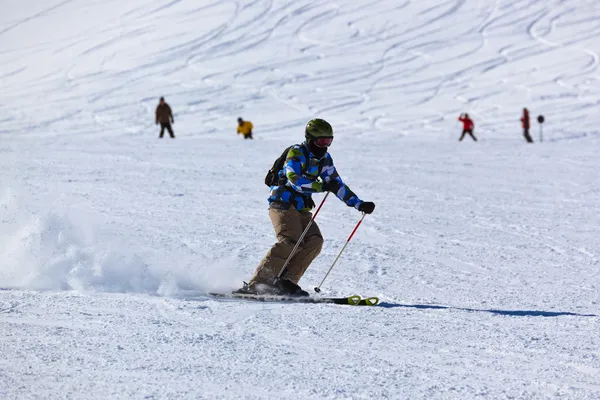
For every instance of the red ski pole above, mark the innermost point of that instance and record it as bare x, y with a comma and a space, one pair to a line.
318, 288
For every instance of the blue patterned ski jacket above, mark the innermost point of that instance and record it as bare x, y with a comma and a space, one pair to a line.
300, 186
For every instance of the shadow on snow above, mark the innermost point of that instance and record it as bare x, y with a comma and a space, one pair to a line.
511, 313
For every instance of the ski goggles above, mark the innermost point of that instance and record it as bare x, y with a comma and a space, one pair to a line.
323, 141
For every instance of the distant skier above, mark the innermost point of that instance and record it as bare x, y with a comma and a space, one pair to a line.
164, 116
245, 128
468, 126
525, 124
289, 209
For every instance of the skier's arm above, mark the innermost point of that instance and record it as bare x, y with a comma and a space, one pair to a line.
336, 185
293, 172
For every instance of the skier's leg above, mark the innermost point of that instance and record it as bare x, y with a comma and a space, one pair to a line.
170, 129
310, 248
288, 228
162, 131
473, 136
464, 132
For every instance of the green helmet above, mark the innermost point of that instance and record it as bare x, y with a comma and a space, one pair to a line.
317, 127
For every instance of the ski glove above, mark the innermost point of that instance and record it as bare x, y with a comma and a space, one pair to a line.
367, 207
331, 186
309, 202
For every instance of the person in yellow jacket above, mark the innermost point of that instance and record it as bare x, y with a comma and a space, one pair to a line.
245, 128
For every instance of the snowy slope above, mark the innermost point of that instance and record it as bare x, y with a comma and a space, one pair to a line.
485, 255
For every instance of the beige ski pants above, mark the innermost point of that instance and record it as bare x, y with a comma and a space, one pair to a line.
289, 225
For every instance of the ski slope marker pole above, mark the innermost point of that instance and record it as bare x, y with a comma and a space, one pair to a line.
284, 268
318, 288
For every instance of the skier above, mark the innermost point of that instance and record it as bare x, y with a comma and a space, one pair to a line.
245, 128
290, 203
525, 125
164, 116
468, 126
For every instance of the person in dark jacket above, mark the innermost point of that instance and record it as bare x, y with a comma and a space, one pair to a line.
525, 125
164, 117
468, 126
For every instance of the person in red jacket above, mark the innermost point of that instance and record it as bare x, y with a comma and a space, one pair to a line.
468, 126
525, 125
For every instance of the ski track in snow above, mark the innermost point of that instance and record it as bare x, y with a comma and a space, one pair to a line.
485, 256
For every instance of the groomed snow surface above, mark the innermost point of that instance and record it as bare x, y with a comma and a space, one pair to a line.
485, 255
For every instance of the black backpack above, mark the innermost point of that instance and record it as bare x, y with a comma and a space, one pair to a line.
273, 179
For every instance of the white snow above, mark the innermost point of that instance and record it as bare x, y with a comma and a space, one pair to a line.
485, 255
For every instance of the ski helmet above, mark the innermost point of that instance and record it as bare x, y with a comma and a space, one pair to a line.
316, 128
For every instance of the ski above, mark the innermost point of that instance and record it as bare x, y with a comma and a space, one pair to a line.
369, 301
349, 300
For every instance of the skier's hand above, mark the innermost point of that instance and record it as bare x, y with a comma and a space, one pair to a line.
172, 121
156, 122
367, 207
309, 203
331, 186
